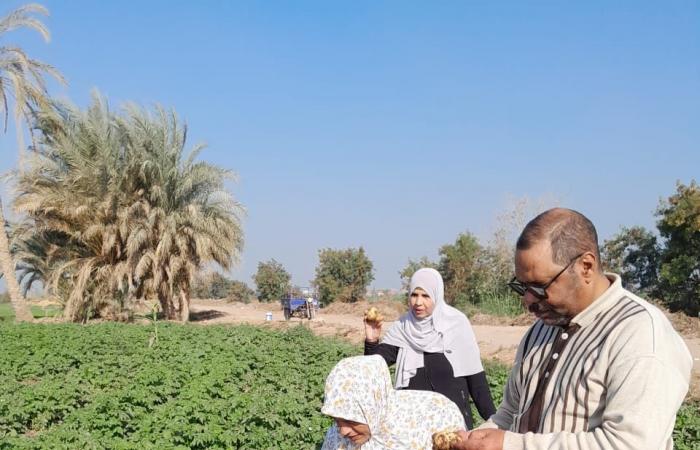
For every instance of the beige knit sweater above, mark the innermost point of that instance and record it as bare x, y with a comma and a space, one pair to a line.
613, 380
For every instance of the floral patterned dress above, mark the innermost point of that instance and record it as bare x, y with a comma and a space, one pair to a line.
359, 389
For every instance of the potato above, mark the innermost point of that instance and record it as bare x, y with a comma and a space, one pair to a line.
373, 315
444, 440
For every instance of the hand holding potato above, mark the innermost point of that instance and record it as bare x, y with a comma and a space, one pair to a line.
444, 440
373, 324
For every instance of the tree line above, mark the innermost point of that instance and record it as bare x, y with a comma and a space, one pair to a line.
663, 264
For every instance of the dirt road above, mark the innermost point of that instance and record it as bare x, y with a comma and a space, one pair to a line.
495, 341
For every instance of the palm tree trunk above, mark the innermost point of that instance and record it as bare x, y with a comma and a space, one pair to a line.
22, 312
184, 306
165, 298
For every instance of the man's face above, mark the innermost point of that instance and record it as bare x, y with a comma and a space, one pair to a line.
357, 432
534, 266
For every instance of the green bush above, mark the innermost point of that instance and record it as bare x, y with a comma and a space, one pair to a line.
272, 281
343, 275
102, 386
664, 266
686, 435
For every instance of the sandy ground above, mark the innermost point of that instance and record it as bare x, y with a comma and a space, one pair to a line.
495, 341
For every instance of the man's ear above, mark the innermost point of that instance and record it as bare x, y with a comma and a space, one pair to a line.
589, 264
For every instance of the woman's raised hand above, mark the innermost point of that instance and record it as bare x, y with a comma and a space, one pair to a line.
373, 324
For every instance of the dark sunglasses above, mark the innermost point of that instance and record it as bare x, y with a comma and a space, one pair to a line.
539, 291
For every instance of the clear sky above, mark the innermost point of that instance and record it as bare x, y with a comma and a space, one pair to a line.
397, 125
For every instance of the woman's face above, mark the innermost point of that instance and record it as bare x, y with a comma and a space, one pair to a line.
421, 303
357, 432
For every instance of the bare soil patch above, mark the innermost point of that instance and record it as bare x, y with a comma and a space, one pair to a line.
688, 327
498, 337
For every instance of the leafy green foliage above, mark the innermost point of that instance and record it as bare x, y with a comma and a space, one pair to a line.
343, 275
498, 303
634, 253
238, 291
460, 269
667, 268
679, 225
686, 435
496, 375
102, 386
272, 281
217, 286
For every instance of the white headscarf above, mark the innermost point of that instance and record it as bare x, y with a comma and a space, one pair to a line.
359, 389
447, 330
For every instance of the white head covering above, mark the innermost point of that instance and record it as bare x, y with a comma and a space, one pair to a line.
359, 389
447, 330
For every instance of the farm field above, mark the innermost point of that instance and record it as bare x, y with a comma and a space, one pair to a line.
115, 386
103, 386
498, 337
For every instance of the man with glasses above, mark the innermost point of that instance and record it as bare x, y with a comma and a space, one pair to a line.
600, 369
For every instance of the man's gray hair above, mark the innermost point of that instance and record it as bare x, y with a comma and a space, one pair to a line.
568, 232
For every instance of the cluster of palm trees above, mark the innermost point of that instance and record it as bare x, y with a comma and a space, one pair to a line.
113, 208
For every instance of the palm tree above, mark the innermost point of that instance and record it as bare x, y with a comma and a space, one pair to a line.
23, 78
118, 211
190, 219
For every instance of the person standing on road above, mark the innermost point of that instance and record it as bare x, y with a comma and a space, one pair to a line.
601, 369
434, 348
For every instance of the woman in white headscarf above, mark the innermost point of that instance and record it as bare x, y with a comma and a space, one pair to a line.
371, 415
434, 348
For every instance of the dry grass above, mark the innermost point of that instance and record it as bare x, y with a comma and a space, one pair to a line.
687, 326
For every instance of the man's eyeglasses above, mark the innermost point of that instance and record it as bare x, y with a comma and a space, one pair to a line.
539, 291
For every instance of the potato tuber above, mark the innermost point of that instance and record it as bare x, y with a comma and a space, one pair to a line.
373, 315
444, 440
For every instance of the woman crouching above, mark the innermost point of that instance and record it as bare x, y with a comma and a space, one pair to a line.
371, 415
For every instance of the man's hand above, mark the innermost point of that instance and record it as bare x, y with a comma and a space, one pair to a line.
490, 439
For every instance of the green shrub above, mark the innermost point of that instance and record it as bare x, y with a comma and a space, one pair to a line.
686, 435
102, 386
343, 275
272, 281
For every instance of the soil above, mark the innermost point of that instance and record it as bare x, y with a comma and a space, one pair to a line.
498, 337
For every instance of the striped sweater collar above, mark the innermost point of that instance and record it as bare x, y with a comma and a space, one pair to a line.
611, 296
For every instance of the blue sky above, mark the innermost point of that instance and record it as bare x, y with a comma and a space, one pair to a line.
398, 125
